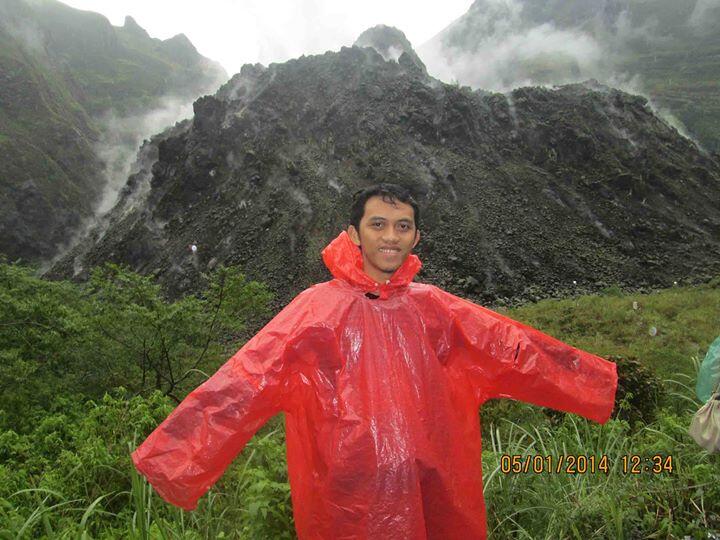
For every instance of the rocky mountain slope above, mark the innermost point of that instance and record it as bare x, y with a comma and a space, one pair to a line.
665, 49
61, 70
526, 194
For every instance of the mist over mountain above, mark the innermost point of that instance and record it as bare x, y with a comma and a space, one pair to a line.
666, 50
531, 193
77, 97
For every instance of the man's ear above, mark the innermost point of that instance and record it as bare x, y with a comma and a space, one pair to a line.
354, 236
417, 237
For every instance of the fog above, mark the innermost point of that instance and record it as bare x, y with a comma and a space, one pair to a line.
118, 149
499, 61
265, 31
702, 7
499, 46
506, 49
123, 135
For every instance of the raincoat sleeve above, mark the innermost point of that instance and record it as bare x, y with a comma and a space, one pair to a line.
187, 453
507, 359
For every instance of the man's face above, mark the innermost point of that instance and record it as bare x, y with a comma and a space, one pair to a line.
386, 236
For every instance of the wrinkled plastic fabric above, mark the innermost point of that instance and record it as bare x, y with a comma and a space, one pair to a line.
381, 399
709, 372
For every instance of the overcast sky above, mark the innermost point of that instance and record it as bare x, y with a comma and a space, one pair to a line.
236, 32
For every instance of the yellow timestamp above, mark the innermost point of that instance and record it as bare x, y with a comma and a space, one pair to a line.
584, 464
656, 464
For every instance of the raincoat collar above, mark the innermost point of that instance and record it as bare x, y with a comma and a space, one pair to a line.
344, 260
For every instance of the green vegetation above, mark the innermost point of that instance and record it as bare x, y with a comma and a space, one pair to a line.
59, 340
88, 371
615, 497
687, 319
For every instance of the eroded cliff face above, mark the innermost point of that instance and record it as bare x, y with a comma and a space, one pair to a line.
527, 194
74, 91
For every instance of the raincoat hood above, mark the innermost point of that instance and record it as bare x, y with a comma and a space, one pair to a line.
345, 261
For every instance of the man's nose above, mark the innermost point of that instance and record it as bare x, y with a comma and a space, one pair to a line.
391, 236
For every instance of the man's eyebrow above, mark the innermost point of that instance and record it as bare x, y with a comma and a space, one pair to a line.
385, 219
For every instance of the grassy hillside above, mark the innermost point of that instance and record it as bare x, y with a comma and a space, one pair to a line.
686, 319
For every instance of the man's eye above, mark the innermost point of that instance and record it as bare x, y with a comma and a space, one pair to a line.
376, 224
404, 226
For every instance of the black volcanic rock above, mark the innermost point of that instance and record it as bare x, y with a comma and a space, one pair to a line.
392, 44
535, 193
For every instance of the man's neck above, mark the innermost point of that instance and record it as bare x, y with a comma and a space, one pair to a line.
378, 277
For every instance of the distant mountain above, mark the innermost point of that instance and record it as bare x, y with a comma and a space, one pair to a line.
61, 70
392, 44
531, 193
667, 49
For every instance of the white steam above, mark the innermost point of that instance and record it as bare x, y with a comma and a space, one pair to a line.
501, 60
393, 53
698, 17
502, 50
507, 53
27, 33
122, 138
118, 149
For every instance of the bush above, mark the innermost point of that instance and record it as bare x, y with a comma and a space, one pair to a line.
639, 391
58, 338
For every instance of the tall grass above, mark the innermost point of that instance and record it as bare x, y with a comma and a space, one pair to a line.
210, 521
615, 504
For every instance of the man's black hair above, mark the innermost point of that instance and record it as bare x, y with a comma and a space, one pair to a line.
390, 193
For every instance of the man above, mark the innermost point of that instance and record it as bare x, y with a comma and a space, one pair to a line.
389, 230
380, 379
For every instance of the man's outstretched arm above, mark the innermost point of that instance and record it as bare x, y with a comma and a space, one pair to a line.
505, 358
187, 453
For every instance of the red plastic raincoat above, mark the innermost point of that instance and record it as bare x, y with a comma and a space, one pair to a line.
381, 399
